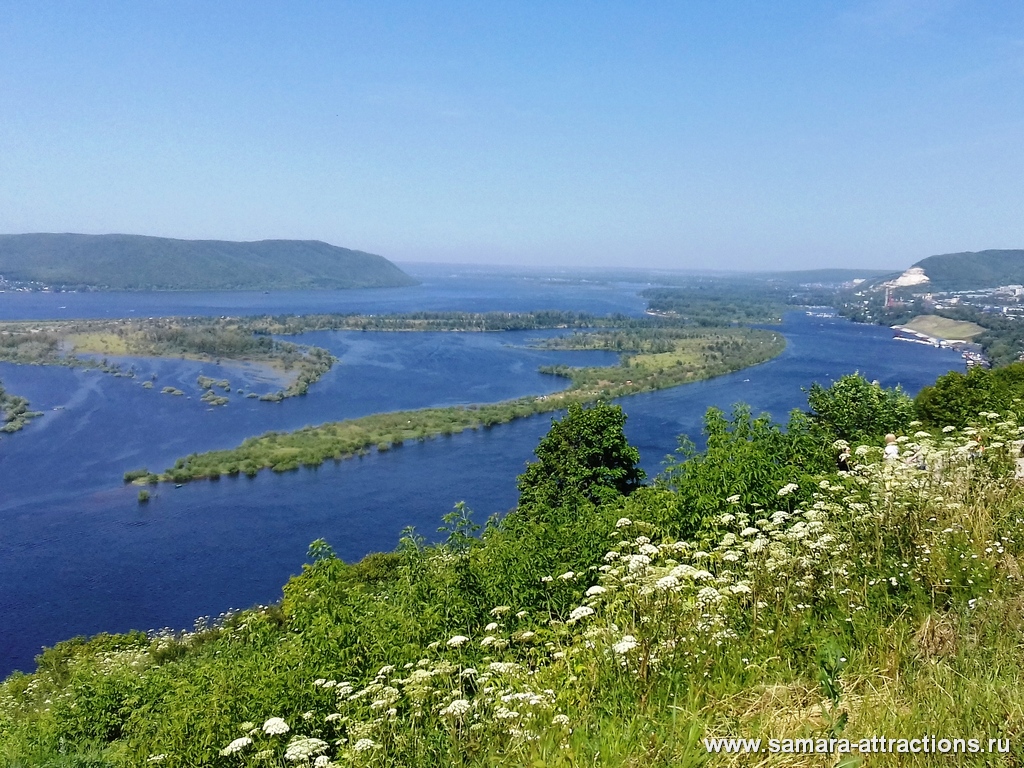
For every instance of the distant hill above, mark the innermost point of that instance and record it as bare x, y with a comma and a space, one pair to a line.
970, 270
137, 262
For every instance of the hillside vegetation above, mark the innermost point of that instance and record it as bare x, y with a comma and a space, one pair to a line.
973, 270
753, 590
136, 262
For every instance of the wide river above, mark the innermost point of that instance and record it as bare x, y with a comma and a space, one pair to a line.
80, 555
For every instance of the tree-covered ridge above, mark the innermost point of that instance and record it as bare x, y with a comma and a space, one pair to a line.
14, 411
626, 626
136, 262
693, 356
973, 270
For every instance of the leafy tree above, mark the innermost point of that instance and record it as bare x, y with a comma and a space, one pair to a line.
957, 398
855, 409
584, 458
746, 462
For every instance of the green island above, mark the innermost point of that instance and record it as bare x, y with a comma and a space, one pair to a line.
248, 340
88, 343
14, 411
657, 357
787, 584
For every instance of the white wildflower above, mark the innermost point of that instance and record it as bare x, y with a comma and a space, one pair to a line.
637, 562
581, 613
491, 627
275, 726
734, 499
748, 532
649, 549
595, 590
560, 720
365, 745
567, 576
667, 583
788, 488
708, 596
500, 610
457, 708
625, 645
304, 748
456, 641
622, 522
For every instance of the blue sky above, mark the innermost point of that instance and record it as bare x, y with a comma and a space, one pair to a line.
673, 135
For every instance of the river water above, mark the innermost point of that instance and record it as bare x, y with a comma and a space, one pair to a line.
80, 555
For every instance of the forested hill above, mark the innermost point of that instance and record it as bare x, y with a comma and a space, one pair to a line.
136, 262
974, 270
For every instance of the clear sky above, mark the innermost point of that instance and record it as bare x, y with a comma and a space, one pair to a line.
675, 134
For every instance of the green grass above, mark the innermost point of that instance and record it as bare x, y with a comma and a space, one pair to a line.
943, 327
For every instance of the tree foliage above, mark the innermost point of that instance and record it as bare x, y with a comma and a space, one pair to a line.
855, 409
747, 460
957, 398
585, 457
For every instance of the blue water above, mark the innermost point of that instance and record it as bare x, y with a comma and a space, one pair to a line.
443, 289
79, 555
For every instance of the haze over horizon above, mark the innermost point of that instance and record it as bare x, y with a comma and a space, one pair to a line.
801, 135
